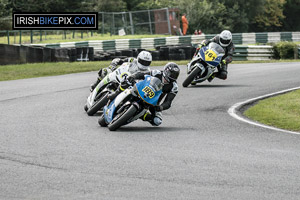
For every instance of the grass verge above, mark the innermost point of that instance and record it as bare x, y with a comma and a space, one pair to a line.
13, 72
282, 111
69, 38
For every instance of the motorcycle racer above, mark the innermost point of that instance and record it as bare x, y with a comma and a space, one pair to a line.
224, 39
141, 63
168, 76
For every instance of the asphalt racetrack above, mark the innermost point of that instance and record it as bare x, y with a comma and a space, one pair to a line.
51, 149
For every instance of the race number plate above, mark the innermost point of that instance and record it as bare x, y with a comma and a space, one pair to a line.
148, 91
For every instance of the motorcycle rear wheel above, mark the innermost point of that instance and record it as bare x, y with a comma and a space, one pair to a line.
122, 118
191, 76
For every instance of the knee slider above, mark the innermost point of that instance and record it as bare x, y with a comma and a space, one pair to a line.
157, 121
222, 75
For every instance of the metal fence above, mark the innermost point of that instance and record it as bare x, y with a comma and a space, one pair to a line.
158, 21
35, 36
147, 22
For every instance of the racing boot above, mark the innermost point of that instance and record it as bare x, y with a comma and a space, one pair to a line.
154, 120
211, 77
147, 117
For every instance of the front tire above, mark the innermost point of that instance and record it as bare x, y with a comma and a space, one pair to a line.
98, 105
191, 77
122, 118
102, 121
86, 108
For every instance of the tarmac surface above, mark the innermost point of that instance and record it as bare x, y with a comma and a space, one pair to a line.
51, 149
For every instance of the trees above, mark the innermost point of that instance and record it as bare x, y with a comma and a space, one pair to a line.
272, 17
211, 16
46, 6
291, 12
154, 4
204, 15
240, 14
215, 15
5, 13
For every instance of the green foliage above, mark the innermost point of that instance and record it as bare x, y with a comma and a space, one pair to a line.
111, 6
291, 12
154, 4
5, 11
284, 50
211, 16
215, 15
240, 14
272, 17
46, 6
204, 15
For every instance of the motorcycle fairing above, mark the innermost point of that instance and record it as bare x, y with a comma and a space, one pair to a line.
109, 110
147, 92
215, 62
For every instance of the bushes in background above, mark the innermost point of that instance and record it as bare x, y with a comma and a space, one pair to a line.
285, 50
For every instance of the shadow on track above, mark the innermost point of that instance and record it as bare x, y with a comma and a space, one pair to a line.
208, 86
151, 129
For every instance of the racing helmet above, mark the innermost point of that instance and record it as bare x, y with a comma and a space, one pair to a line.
144, 60
171, 72
225, 38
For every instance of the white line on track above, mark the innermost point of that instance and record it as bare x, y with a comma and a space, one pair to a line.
233, 111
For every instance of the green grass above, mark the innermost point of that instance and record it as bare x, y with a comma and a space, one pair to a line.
69, 38
282, 111
266, 61
13, 72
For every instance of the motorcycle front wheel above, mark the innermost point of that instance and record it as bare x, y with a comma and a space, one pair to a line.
191, 76
85, 108
102, 122
122, 118
98, 104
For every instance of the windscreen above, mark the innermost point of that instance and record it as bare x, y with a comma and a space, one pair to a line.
156, 83
216, 48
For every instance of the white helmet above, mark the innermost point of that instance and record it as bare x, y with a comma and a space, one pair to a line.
225, 38
144, 60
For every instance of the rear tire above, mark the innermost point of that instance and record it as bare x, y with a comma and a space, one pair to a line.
98, 105
122, 118
191, 77
102, 122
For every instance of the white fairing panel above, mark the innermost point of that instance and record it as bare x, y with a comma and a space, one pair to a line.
122, 96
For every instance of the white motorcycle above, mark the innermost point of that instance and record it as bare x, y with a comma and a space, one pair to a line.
204, 64
98, 98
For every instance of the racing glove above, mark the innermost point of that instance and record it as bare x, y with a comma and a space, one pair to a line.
131, 80
102, 73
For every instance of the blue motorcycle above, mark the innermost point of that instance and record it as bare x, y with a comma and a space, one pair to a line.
132, 103
204, 64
